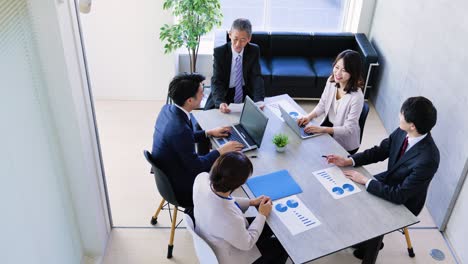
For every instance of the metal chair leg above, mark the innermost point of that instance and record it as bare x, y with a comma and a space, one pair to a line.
408, 242
170, 247
154, 218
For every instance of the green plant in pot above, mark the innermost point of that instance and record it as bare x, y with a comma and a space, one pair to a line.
195, 18
280, 141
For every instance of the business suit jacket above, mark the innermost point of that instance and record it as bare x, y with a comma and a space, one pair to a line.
220, 92
346, 127
407, 179
174, 152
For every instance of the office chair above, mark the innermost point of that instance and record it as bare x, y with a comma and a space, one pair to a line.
168, 197
204, 252
363, 118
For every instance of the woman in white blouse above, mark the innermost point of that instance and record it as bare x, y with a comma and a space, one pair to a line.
341, 102
220, 220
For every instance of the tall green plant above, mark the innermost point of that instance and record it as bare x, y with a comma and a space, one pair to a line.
195, 18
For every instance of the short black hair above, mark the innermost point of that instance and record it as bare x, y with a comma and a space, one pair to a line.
421, 112
183, 86
230, 171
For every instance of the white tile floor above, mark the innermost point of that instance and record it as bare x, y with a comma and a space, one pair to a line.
126, 128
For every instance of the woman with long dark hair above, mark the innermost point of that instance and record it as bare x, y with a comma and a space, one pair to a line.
341, 103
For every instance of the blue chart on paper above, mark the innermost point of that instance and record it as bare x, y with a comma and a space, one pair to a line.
281, 208
348, 187
294, 114
326, 176
306, 221
292, 203
338, 190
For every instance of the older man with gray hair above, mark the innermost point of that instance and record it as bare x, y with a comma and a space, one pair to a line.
236, 69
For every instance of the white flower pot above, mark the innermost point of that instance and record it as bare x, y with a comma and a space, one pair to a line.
280, 149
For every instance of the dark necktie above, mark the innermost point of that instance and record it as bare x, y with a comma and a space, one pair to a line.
403, 147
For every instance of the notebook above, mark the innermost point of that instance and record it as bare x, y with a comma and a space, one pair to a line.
275, 185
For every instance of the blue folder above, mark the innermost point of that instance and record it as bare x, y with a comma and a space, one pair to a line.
276, 185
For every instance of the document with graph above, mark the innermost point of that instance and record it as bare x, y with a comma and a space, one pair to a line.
294, 214
274, 107
335, 182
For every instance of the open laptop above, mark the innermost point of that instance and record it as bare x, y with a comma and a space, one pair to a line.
250, 129
292, 123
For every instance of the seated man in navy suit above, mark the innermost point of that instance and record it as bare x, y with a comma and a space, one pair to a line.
174, 138
413, 159
236, 69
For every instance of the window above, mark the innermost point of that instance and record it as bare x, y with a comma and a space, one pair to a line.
280, 15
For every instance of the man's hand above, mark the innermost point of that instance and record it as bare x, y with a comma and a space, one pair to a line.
219, 131
314, 129
224, 108
257, 201
302, 121
230, 146
339, 161
356, 176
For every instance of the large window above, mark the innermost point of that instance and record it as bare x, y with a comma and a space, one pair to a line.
286, 15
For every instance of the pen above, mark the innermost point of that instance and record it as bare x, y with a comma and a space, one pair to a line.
253, 156
323, 156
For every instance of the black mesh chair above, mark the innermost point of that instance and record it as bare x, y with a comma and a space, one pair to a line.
168, 198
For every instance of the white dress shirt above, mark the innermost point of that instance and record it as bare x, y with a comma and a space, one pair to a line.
411, 142
232, 78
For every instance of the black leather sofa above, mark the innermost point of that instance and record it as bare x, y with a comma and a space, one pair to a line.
299, 64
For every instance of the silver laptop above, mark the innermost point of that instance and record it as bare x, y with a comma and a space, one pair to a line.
292, 123
250, 129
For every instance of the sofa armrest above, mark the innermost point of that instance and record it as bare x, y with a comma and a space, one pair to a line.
366, 48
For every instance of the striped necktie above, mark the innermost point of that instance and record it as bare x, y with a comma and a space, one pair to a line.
238, 94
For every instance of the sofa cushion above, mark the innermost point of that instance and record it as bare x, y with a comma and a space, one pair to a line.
323, 68
262, 39
292, 75
291, 44
331, 44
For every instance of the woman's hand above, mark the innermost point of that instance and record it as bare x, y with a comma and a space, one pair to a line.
302, 121
265, 207
224, 108
257, 201
314, 129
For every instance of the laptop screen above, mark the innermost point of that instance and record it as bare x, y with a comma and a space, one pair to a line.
253, 120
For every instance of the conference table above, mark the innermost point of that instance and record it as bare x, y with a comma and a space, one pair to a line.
344, 222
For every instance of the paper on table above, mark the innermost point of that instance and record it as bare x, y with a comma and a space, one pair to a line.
235, 108
274, 107
334, 181
294, 214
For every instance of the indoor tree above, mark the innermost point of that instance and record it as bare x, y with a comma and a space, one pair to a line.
194, 19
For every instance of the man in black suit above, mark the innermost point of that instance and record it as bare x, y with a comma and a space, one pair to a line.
236, 69
174, 138
413, 159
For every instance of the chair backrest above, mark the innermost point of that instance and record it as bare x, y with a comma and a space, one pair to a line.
204, 252
363, 118
162, 181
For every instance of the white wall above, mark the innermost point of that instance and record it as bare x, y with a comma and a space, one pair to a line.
422, 49
125, 56
52, 197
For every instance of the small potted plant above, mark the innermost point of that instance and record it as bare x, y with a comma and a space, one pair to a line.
280, 141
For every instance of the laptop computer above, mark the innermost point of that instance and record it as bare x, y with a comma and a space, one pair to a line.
292, 123
250, 129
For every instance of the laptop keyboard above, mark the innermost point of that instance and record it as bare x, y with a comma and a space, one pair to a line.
232, 137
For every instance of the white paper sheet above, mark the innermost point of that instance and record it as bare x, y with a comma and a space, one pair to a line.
235, 108
335, 182
274, 107
294, 214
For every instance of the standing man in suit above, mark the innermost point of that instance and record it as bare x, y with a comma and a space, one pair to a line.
413, 160
174, 138
236, 69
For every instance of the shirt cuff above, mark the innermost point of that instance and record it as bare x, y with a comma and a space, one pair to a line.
354, 163
206, 133
368, 182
